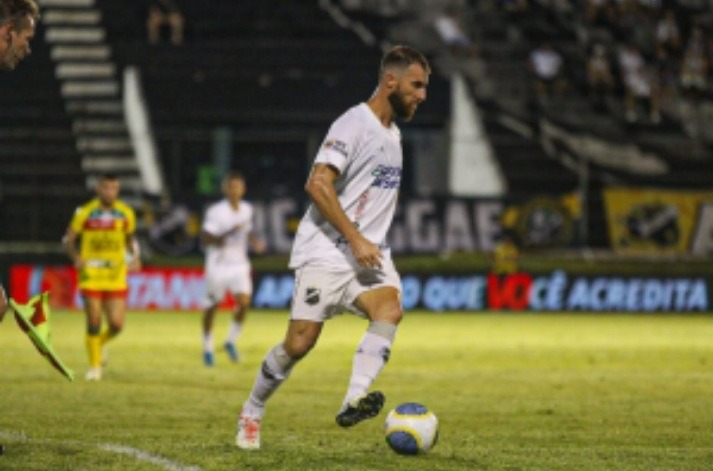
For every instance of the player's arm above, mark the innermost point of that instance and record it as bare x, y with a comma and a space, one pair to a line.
69, 242
3, 303
209, 231
132, 245
209, 238
320, 188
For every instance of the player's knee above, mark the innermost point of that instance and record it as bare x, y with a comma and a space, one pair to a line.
116, 330
93, 329
298, 347
397, 314
391, 313
301, 338
116, 327
239, 313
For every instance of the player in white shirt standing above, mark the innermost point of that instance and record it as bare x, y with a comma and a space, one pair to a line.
340, 256
227, 231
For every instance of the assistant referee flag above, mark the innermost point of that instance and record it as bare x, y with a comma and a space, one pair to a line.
34, 319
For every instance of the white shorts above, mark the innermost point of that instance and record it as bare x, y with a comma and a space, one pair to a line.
232, 279
321, 293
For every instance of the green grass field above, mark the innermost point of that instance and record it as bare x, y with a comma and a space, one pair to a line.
512, 392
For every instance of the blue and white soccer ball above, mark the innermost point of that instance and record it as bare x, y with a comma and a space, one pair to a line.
411, 429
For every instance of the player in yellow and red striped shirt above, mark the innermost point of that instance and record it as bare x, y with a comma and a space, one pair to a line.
105, 227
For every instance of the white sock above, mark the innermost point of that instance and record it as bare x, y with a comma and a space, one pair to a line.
371, 356
275, 369
208, 342
234, 331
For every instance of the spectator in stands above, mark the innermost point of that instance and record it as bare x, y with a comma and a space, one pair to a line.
546, 65
17, 28
450, 30
668, 33
639, 84
630, 60
600, 78
694, 66
165, 12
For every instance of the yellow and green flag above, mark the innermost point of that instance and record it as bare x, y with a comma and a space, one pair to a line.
34, 319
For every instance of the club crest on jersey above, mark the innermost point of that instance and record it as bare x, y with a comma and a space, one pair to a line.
312, 295
336, 145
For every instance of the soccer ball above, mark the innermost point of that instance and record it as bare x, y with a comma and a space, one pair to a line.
411, 429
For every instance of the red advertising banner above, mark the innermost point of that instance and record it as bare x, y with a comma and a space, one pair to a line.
152, 288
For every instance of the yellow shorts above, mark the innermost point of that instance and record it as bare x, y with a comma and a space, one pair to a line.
103, 278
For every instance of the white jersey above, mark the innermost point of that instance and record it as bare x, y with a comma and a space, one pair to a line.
369, 159
220, 218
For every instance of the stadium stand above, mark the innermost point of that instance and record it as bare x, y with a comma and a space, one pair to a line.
274, 76
687, 159
569, 130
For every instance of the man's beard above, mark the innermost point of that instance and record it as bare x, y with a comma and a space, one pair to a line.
10, 59
401, 109
6, 62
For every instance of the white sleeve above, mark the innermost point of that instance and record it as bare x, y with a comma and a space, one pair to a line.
211, 224
339, 145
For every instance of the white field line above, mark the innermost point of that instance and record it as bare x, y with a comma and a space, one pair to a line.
135, 453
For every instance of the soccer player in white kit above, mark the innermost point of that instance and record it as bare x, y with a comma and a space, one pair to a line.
227, 230
340, 256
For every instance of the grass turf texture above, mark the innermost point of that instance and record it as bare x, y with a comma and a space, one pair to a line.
512, 392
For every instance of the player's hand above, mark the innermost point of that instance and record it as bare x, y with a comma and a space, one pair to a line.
135, 264
259, 246
366, 253
80, 263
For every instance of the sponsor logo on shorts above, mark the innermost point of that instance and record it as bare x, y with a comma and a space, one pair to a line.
312, 296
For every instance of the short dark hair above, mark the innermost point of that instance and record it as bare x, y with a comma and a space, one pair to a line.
402, 57
16, 12
233, 175
109, 176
